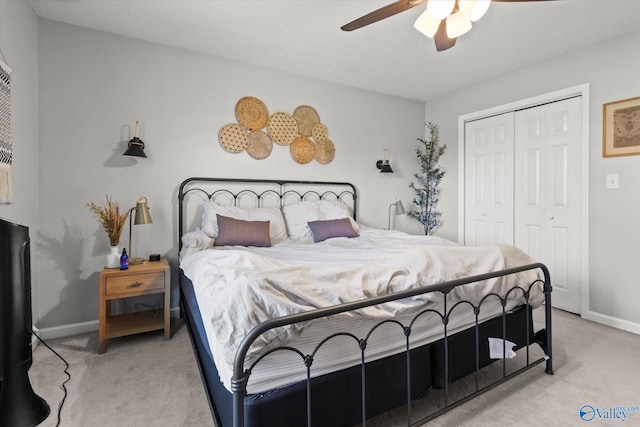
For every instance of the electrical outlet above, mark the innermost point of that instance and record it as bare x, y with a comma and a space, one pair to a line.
612, 181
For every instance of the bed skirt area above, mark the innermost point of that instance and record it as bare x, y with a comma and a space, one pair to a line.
336, 397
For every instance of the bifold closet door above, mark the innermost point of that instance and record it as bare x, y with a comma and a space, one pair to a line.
549, 194
489, 180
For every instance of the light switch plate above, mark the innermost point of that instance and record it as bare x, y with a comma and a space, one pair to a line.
612, 181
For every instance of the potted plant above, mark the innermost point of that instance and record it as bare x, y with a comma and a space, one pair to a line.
113, 221
428, 187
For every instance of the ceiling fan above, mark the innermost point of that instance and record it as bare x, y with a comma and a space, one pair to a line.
444, 20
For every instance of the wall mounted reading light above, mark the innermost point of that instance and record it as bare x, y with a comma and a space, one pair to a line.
135, 146
383, 164
142, 217
399, 210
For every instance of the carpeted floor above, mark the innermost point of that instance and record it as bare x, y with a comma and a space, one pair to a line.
143, 380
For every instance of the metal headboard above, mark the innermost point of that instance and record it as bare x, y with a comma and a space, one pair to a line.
260, 190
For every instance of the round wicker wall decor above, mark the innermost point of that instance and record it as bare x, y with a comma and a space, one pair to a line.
302, 150
252, 113
260, 145
282, 128
319, 132
234, 137
307, 117
325, 152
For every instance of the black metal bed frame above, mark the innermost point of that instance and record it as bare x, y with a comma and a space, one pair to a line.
241, 374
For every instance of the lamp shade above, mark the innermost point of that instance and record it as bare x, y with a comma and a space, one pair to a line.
440, 9
135, 148
458, 24
399, 210
142, 212
427, 24
479, 8
386, 168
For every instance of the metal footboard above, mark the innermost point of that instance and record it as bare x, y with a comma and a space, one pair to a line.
242, 373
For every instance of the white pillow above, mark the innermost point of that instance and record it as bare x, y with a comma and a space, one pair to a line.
277, 228
297, 216
195, 241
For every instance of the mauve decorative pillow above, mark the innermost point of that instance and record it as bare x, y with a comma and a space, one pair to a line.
298, 215
242, 233
277, 227
323, 230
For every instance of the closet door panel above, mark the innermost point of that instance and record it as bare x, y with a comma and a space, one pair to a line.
489, 180
531, 186
549, 193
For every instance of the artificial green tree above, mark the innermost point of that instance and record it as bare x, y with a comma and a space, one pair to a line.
427, 189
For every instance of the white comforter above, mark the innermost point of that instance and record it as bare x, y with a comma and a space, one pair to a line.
238, 288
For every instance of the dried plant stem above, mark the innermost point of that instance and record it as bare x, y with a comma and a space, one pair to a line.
110, 218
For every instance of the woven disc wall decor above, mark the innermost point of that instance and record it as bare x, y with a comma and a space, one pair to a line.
325, 152
283, 128
252, 113
234, 137
260, 145
319, 132
307, 117
302, 150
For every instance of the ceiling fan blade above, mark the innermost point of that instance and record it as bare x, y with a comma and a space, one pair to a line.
516, 1
442, 41
380, 14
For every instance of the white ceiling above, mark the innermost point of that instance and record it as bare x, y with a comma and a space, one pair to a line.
304, 37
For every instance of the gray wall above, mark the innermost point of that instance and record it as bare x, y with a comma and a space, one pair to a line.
93, 86
18, 42
85, 89
613, 71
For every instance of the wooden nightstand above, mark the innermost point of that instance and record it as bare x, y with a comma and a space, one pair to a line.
141, 279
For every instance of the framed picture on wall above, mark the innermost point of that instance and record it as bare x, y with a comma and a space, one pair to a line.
621, 128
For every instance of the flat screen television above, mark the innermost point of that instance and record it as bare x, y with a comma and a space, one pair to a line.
19, 405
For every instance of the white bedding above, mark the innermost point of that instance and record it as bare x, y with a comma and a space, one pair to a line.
238, 287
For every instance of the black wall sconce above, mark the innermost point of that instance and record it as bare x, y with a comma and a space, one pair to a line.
383, 164
135, 147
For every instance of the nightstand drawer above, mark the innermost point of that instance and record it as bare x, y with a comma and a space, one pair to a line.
135, 283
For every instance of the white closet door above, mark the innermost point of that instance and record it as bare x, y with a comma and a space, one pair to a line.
549, 194
489, 180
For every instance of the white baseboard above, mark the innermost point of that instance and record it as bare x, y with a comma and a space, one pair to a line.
613, 322
34, 340
68, 330
81, 328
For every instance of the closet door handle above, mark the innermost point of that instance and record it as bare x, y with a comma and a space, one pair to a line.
551, 218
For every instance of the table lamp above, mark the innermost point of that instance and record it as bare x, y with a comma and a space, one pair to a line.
142, 217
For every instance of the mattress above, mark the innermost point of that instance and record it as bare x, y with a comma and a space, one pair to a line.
237, 288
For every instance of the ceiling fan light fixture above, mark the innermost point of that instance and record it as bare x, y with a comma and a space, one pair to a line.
427, 24
458, 24
479, 8
465, 6
440, 9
